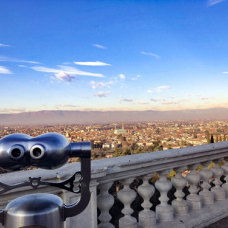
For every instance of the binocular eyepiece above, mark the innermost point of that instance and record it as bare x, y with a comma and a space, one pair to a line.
47, 151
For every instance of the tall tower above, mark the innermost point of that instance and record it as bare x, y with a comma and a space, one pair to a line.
115, 131
122, 125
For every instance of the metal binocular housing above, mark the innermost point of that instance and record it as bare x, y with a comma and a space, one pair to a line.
47, 151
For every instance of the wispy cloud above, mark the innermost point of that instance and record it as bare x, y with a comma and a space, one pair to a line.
65, 73
95, 85
143, 102
136, 78
167, 102
225, 72
75, 71
63, 76
158, 89
126, 100
214, 2
150, 54
4, 70
156, 99
150, 91
99, 46
97, 63
174, 102
4, 45
102, 94
161, 88
12, 110
122, 76
61, 106
205, 98
7, 59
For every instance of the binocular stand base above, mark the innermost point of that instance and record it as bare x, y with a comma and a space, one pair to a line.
35, 211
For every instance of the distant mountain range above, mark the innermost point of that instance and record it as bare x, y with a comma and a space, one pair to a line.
87, 117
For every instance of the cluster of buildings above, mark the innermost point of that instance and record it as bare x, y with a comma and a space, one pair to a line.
109, 137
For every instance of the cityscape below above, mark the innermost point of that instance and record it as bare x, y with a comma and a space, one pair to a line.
120, 139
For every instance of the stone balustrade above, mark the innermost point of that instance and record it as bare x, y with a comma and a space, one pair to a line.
181, 188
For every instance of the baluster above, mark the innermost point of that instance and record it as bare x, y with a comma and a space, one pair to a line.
225, 169
193, 179
206, 174
147, 218
179, 182
104, 202
127, 196
164, 211
218, 191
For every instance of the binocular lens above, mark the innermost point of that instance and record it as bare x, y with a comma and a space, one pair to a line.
37, 152
16, 152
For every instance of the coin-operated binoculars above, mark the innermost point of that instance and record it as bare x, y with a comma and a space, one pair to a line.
48, 151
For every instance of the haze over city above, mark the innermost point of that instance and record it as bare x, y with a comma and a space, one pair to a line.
113, 55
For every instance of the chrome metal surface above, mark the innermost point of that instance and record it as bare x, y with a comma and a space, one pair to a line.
7, 144
48, 151
45, 210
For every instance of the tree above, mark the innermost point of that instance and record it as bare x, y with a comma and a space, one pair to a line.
134, 146
126, 152
117, 152
207, 135
212, 139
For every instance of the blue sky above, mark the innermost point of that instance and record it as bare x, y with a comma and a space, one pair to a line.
113, 55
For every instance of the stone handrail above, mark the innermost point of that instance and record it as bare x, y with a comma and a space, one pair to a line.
189, 200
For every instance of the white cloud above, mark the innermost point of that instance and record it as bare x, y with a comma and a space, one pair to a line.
214, 2
66, 106
99, 46
64, 76
204, 98
102, 94
122, 76
12, 110
45, 69
75, 71
156, 99
65, 73
95, 85
4, 70
136, 78
127, 100
161, 88
224, 72
4, 45
150, 91
97, 63
7, 59
167, 102
143, 102
150, 54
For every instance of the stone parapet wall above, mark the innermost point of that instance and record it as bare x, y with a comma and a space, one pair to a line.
138, 190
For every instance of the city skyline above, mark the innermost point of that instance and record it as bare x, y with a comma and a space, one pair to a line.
122, 55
